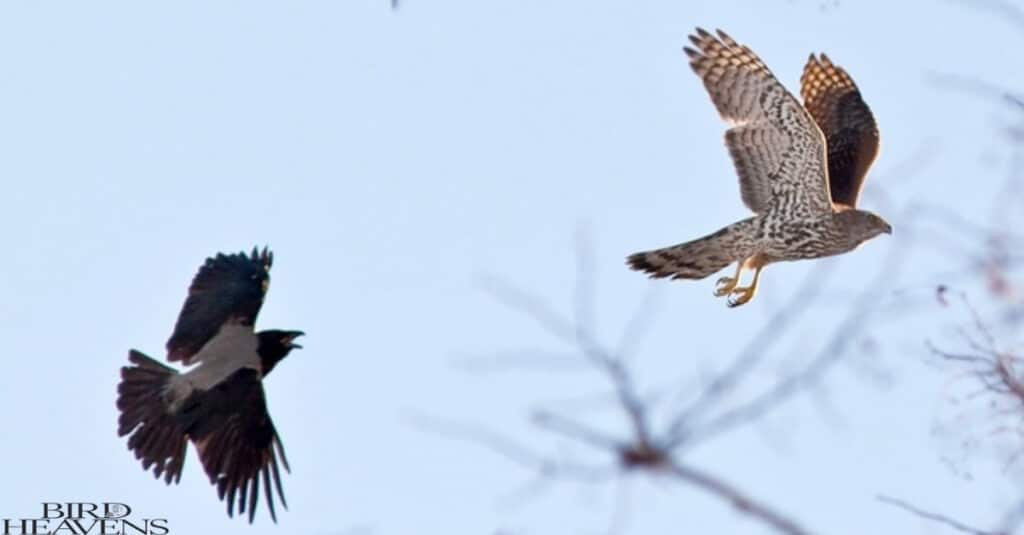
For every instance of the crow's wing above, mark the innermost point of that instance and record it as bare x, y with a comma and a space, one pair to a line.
227, 289
237, 442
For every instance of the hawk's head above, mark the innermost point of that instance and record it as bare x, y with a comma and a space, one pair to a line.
861, 225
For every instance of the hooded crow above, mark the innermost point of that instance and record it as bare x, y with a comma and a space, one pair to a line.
218, 401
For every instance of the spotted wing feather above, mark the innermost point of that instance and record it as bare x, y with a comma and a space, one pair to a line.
778, 150
835, 103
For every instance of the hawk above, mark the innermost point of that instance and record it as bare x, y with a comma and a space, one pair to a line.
800, 168
218, 403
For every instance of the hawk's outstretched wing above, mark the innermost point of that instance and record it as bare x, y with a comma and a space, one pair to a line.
850, 130
778, 150
227, 289
237, 442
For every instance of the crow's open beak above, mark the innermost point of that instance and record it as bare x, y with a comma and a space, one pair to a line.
290, 340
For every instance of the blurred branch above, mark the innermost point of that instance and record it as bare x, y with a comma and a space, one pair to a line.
739, 500
992, 367
994, 385
644, 447
1004, 9
593, 351
976, 87
543, 465
935, 517
656, 448
855, 322
569, 428
755, 350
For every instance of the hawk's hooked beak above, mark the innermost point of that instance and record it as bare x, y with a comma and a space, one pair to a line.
289, 340
888, 228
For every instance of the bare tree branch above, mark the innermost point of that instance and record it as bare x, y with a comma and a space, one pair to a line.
856, 321
747, 360
1004, 9
935, 517
640, 448
974, 86
516, 452
739, 500
571, 332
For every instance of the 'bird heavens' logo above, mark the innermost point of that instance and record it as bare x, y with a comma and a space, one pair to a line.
84, 518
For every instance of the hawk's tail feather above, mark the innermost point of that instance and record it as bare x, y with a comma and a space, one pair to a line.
157, 439
698, 258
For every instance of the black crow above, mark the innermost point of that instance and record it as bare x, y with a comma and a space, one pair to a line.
218, 403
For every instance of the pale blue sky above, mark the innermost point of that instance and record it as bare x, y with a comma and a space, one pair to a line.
391, 158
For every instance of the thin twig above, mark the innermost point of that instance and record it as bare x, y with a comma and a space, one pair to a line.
845, 334
575, 430
1005, 10
935, 517
976, 87
756, 350
592, 350
739, 500
513, 450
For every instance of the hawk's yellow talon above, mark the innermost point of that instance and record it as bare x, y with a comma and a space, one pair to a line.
742, 296
725, 285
